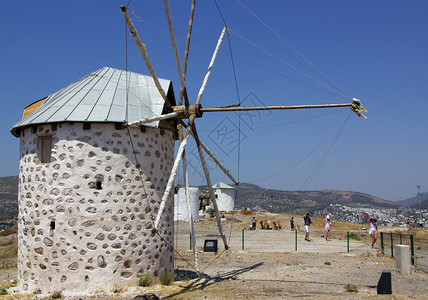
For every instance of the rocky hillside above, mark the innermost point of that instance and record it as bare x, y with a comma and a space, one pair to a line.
254, 197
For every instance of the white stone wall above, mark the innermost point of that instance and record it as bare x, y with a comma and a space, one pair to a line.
102, 237
225, 199
180, 204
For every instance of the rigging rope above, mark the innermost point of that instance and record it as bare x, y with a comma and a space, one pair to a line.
294, 49
303, 160
247, 60
318, 167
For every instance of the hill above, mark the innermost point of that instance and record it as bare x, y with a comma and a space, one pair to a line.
8, 189
249, 196
253, 196
8, 201
414, 200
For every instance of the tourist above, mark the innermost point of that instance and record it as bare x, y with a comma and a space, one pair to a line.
253, 223
269, 224
327, 227
308, 222
373, 230
292, 223
262, 225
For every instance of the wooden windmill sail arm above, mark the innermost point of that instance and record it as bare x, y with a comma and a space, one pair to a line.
216, 109
156, 118
210, 188
210, 67
189, 33
177, 57
172, 176
143, 52
213, 158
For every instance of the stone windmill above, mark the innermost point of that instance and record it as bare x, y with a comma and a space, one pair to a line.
96, 173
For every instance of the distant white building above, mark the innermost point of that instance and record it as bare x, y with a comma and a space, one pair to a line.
225, 196
180, 204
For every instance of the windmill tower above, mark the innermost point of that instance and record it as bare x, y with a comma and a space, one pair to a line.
88, 187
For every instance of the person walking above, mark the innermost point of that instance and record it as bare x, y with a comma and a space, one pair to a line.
327, 227
308, 222
373, 230
292, 223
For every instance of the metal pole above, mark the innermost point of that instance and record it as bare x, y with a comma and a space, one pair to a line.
381, 242
190, 241
392, 246
243, 239
348, 241
419, 195
412, 249
295, 243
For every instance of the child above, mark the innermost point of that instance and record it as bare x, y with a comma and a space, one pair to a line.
373, 230
327, 227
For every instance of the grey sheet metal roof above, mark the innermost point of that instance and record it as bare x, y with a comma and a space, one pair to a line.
222, 185
101, 97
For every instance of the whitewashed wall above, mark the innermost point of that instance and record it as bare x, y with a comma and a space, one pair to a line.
225, 199
102, 238
180, 204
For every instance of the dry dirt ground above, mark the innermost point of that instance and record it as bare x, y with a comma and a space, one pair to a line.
269, 267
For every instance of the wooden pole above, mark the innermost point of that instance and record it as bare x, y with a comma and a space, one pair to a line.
143, 52
172, 176
153, 119
177, 57
210, 67
210, 188
217, 109
214, 158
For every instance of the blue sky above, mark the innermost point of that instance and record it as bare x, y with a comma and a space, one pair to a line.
373, 50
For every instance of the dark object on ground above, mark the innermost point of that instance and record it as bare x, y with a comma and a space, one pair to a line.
147, 297
384, 285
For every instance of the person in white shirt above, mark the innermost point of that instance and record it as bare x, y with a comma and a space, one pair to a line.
373, 230
327, 227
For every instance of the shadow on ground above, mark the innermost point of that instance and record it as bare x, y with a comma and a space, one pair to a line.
203, 280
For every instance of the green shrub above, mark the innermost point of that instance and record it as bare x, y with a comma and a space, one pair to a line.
3, 291
167, 277
351, 288
145, 280
56, 295
327, 263
117, 290
354, 236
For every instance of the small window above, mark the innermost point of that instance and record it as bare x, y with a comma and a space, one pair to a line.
216, 196
45, 149
52, 225
99, 185
86, 126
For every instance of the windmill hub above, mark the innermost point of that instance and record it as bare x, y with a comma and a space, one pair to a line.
186, 111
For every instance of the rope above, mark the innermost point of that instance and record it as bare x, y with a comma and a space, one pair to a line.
252, 63
318, 167
282, 61
295, 50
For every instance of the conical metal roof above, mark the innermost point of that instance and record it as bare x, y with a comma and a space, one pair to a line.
106, 95
222, 185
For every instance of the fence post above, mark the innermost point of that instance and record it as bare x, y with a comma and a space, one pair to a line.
190, 241
381, 243
392, 246
242, 239
412, 249
295, 240
401, 239
348, 241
